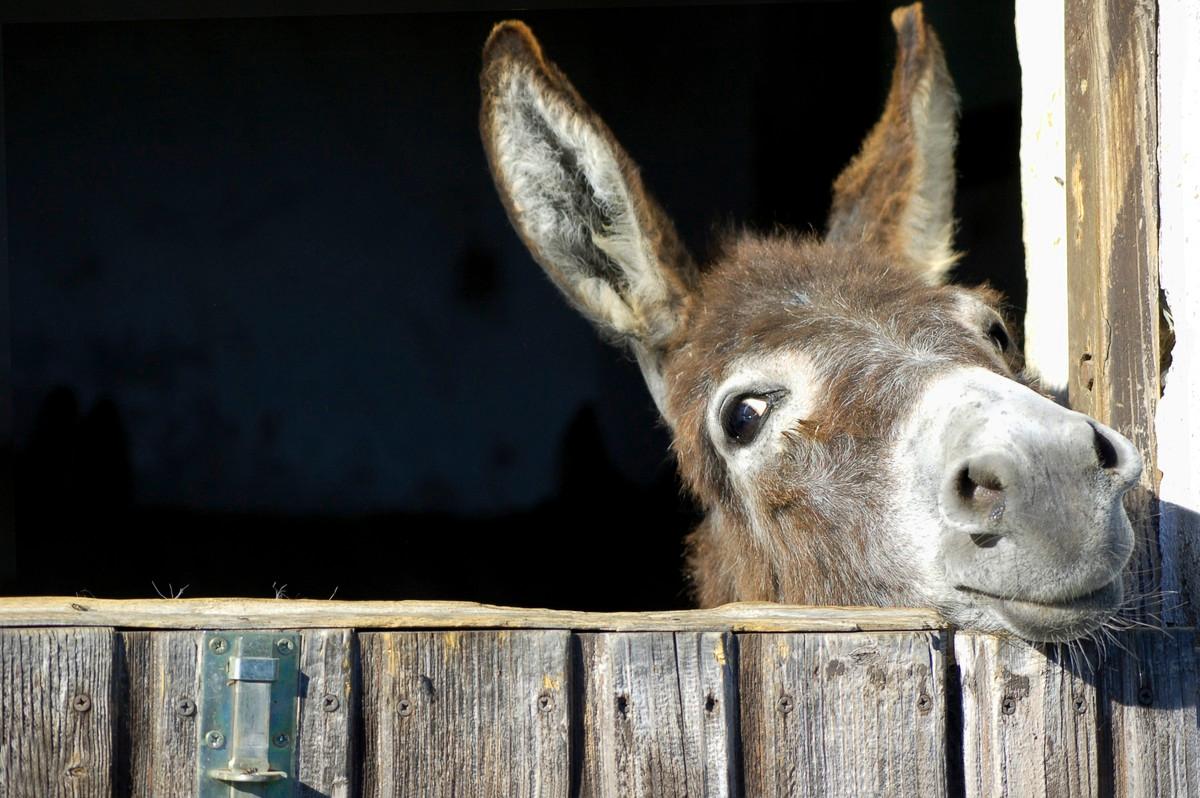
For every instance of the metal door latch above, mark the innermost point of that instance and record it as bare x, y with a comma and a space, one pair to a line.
248, 709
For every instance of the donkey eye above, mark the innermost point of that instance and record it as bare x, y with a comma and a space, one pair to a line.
743, 416
999, 336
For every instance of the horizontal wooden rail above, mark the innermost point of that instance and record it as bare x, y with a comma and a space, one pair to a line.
314, 614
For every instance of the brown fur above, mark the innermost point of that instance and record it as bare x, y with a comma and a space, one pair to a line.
861, 327
512, 46
861, 305
872, 195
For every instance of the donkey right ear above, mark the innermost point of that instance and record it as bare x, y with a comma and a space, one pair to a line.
576, 198
898, 192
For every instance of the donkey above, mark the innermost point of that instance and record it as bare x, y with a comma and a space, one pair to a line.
856, 429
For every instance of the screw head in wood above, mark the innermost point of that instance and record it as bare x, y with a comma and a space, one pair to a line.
1080, 705
1145, 696
404, 707
786, 704
185, 707
214, 739
924, 703
285, 646
218, 645
545, 702
81, 702
330, 703
1008, 705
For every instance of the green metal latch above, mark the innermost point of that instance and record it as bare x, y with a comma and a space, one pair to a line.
248, 707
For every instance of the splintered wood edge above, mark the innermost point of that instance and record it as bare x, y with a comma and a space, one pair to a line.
235, 613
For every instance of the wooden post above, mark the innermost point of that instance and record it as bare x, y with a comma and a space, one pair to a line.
1112, 240
1119, 344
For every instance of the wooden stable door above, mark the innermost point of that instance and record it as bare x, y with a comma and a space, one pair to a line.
449, 699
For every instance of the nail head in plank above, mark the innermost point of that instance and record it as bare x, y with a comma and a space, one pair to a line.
657, 714
328, 712
852, 714
1029, 718
161, 711
1149, 693
466, 713
57, 727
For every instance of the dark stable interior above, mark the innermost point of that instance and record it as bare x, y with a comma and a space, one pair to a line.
272, 334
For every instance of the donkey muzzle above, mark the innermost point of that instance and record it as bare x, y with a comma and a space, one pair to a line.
1029, 504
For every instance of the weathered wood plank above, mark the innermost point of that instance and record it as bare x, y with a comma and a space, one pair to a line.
328, 764
466, 713
310, 614
1112, 247
1029, 723
851, 714
1117, 323
657, 714
158, 728
1149, 694
57, 713
163, 690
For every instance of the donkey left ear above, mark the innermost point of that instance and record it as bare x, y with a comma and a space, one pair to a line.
898, 192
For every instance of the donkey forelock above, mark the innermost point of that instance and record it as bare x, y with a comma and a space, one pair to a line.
857, 430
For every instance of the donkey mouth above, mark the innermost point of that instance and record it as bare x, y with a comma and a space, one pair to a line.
1054, 620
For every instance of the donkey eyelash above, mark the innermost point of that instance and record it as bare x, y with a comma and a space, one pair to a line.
743, 413
998, 333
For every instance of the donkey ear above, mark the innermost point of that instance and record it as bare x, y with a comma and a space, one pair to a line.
898, 192
576, 198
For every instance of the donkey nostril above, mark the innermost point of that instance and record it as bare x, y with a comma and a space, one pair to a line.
982, 492
973, 480
1106, 453
965, 485
985, 540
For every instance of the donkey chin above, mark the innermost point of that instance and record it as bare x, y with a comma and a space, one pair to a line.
1024, 500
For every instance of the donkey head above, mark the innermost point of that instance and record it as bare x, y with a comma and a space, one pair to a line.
857, 430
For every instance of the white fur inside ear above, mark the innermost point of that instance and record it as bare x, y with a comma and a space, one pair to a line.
574, 206
929, 218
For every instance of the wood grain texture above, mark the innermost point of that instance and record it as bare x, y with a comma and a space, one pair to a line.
1113, 271
657, 714
1149, 694
466, 713
1029, 723
158, 724
159, 727
310, 614
328, 763
57, 713
1112, 247
843, 714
